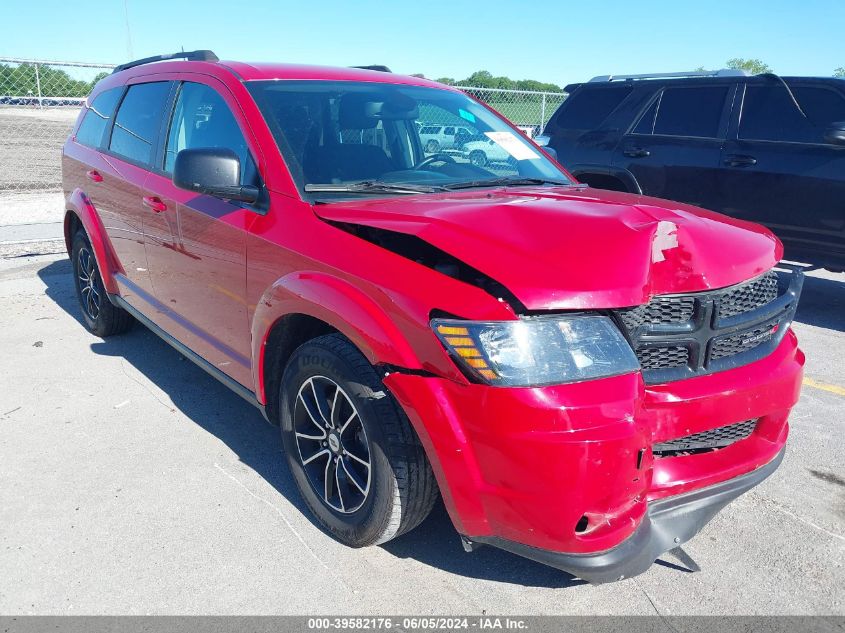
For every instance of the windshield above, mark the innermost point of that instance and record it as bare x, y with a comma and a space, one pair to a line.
342, 138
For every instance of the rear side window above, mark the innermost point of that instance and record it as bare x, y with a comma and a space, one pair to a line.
770, 114
586, 109
685, 112
137, 121
97, 117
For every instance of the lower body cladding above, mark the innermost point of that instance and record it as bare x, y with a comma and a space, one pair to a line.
600, 478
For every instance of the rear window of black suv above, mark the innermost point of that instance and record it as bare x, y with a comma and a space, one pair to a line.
589, 107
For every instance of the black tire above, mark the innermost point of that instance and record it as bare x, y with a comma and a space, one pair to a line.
478, 158
400, 490
100, 316
432, 147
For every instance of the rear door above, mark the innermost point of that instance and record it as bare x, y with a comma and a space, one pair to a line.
196, 245
127, 156
673, 149
778, 170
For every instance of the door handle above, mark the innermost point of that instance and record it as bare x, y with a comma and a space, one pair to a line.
94, 175
154, 203
738, 160
636, 152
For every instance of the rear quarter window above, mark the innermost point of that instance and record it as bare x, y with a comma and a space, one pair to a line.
97, 116
587, 109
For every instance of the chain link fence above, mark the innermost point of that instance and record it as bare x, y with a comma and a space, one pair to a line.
39, 102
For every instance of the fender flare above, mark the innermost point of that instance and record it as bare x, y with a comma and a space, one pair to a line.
336, 302
627, 178
80, 205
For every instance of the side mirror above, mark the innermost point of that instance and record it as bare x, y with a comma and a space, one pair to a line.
214, 171
550, 151
835, 134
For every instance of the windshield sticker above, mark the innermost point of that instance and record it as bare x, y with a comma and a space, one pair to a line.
512, 145
466, 115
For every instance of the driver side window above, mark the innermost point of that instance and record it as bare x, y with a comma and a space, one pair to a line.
201, 118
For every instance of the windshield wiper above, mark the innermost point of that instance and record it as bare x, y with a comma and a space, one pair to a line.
509, 181
371, 186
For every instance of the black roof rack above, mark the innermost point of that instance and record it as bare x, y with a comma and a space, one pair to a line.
195, 56
377, 67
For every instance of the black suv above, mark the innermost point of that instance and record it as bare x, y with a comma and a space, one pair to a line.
763, 148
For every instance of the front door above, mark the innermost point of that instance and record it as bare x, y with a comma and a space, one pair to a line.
195, 243
673, 150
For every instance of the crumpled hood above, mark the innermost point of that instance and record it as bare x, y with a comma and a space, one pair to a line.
574, 248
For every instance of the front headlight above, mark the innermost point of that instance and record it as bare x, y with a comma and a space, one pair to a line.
538, 351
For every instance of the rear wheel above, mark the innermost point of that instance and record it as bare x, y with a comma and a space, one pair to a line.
432, 147
100, 316
355, 458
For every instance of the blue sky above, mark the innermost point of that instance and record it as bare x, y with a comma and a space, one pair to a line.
557, 41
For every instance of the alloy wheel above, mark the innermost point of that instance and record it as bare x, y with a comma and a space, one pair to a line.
332, 444
89, 286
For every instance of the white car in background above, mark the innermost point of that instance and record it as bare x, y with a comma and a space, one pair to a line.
439, 137
483, 152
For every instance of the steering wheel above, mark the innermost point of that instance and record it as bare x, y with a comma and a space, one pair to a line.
434, 158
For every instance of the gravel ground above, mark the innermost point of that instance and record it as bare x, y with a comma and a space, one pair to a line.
133, 483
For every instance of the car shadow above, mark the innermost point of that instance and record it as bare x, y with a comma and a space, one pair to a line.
219, 411
822, 303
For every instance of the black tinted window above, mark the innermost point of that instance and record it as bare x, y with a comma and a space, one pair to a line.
97, 117
585, 110
690, 111
769, 113
201, 118
137, 121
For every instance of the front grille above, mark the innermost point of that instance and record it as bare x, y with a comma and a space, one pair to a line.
681, 336
749, 296
742, 342
656, 357
706, 440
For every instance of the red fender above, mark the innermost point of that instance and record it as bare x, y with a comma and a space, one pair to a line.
338, 303
80, 205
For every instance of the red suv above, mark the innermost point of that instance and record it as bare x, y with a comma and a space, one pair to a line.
585, 377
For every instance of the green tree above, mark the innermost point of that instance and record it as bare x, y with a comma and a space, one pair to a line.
839, 72
754, 66
21, 80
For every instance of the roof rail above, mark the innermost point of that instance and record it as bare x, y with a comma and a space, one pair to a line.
724, 72
195, 56
377, 67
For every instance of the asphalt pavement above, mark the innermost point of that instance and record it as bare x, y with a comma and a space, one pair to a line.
133, 483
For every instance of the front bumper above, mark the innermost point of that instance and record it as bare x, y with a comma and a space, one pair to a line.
667, 524
525, 467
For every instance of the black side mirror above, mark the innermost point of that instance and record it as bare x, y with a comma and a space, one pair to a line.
551, 151
835, 134
215, 171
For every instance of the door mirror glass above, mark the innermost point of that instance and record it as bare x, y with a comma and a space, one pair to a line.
835, 134
214, 171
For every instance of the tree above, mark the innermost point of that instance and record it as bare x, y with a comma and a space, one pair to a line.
839, 72
21, 81
754, 66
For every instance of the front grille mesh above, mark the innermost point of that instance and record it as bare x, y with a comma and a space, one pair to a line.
747, 297
742, 342
659, 310
659, 357
706, 440
678, 336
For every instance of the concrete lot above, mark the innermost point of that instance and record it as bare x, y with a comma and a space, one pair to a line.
131, 482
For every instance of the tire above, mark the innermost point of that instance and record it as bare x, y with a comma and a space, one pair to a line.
432, 147
358, 506
99, 315
478, 158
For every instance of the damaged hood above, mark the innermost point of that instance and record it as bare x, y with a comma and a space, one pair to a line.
576, 248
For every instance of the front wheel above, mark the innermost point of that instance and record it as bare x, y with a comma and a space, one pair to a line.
355, 458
